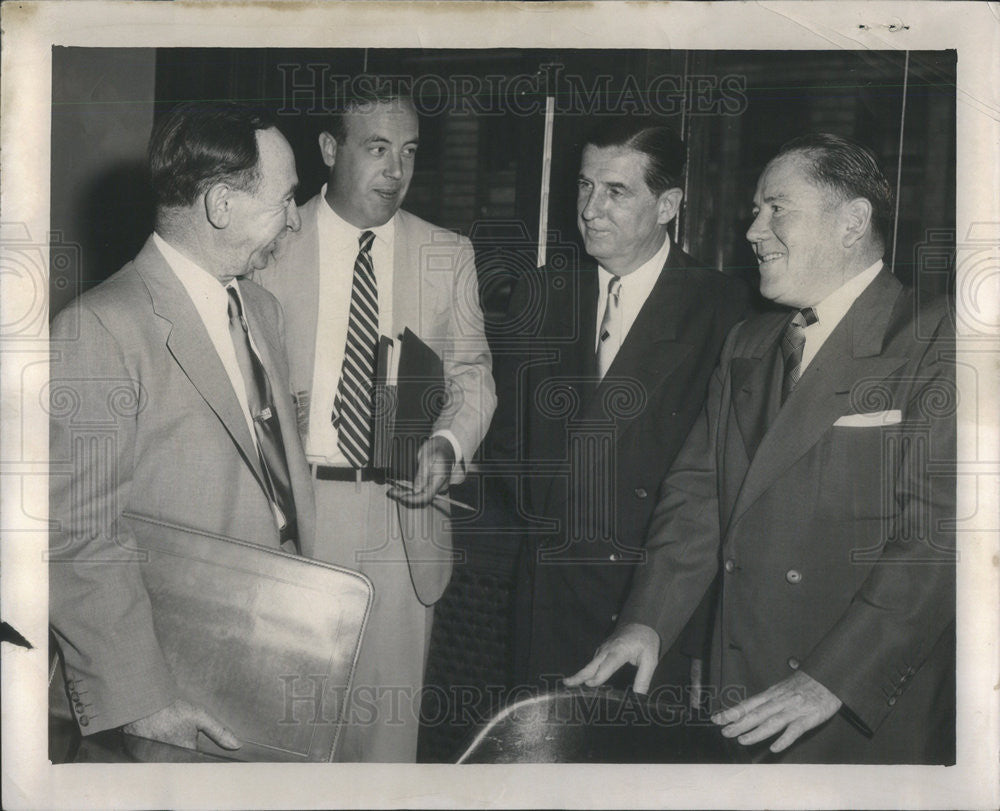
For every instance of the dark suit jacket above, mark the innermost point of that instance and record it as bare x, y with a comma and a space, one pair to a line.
598, 449
835, 530
146, 430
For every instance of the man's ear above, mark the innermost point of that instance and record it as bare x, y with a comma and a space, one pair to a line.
219, 205
857, 220
668, 205
328, 148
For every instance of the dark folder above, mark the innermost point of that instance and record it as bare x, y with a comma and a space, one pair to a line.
413, 405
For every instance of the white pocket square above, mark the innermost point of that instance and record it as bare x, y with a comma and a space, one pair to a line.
871, 419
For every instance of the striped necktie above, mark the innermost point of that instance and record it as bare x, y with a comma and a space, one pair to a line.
793, 342
352, 405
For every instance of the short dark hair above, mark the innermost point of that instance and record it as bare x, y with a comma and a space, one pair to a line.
363, 90
850, 170
658, 142
197, 144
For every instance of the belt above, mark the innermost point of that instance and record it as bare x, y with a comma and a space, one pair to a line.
349, 474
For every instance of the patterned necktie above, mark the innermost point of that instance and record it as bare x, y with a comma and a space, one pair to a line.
353, 403
270, 446
793, 342
609, 339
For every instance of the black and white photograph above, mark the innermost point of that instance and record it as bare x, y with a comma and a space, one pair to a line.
500, 405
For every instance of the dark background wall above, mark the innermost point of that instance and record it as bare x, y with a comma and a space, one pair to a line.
480, 160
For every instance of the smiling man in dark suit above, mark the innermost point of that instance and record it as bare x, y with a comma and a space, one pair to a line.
617, 371
822, 473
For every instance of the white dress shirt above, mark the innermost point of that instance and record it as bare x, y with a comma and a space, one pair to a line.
338, 250
211, 301
831, 310
635, 289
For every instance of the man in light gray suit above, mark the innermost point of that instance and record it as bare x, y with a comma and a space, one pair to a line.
361, 268
160, 378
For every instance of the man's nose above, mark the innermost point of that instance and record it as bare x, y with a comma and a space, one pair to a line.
394, 166
592, 206
292, 218
758, 228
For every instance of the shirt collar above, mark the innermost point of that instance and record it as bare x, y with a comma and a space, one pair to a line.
833, 308
331, 222
643, 276
201, 285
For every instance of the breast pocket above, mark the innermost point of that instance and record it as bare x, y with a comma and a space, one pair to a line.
856, 480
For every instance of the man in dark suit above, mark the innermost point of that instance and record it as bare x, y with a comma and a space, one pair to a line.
821, 472
171, 404
617, 371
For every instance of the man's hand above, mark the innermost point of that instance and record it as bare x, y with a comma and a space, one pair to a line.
435, 459
634, 644
178, 724
795, 705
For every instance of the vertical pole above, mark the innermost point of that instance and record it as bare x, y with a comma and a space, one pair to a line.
687, 153
899, 163
543, 204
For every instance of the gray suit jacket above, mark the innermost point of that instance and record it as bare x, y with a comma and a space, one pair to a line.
146, 430
436, 295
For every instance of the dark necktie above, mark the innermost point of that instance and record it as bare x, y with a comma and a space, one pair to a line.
793, 342
270, 446
352, 405
609, 339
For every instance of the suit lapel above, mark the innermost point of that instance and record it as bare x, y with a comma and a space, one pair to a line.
851, 354
407, 287
570, 309
300, 296
756, 384
189, 343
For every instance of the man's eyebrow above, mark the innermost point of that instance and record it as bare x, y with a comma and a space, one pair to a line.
382, 139
772, 197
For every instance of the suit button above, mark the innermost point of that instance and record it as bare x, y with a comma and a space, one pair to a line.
640, 492
793, 576
613, 557
793, 663
730, 564
614, 618
892, 701
83, 720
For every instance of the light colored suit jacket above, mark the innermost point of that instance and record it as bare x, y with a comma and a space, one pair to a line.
146, 430
833, 519
436, 295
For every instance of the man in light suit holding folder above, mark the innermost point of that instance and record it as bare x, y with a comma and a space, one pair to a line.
361, 269
821, 475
